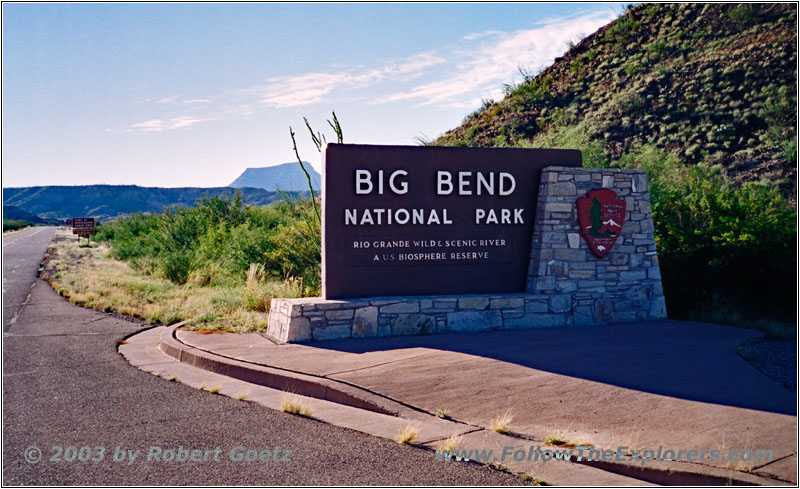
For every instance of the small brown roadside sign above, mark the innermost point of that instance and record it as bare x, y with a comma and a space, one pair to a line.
82, 225
83, 222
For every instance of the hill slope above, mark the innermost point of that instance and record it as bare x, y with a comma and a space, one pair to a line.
707, 82
109, 201
14, 213
287, 177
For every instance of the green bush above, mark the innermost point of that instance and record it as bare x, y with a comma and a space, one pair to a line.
742, 15
14, 224
216, 241
621, 29
717, 239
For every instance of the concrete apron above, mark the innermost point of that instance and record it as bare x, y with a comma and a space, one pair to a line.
357, 391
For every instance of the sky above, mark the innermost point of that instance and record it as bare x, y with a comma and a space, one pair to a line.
175, 95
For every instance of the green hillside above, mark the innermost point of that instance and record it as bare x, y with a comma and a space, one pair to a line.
13, 213
703, 96
705, 82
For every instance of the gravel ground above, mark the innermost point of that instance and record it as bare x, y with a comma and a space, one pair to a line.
775, 359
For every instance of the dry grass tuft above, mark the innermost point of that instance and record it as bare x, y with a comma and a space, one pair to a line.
293, 404
451, 443
502, 422
408, 434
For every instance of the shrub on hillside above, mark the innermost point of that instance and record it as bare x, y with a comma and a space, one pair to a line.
715, 239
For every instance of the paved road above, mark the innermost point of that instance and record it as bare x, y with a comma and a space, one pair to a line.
64, 384
22, 253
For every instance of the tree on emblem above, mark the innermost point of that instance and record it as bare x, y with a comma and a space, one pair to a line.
596, 218
600, 217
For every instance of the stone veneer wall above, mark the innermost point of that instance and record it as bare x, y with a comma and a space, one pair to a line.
567, 285
625, 285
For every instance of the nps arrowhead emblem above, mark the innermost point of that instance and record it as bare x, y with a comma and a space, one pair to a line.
601, 216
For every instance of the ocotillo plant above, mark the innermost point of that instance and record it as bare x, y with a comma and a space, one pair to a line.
319, 141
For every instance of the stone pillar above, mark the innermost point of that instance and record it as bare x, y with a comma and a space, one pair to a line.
625, 285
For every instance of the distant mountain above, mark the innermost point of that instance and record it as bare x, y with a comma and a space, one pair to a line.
14, 213
106, 202
287, 177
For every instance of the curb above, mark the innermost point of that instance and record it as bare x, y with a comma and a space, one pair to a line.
296, 383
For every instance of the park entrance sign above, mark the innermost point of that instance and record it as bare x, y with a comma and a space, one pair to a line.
406, 220
424, 240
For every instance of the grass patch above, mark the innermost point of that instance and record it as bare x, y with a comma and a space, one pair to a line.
442, 413
173, 378
92, 277
214, 390
242, 396
293, 404
556, 440
502, 423
408, 435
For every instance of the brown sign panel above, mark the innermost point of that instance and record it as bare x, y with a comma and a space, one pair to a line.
82, 222
415, 220
83, 231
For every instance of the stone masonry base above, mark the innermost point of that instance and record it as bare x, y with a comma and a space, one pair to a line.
314, 319
567, 285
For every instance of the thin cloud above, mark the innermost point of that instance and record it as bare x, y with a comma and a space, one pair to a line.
480, 35
181, 122
312, 88
482, 70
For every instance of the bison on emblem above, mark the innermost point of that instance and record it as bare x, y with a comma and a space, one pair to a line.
601, 216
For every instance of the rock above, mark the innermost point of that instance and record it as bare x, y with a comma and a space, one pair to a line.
477, 303
365, 323
474, 321
406, 324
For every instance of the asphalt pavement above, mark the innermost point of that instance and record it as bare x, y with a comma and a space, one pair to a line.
72, 406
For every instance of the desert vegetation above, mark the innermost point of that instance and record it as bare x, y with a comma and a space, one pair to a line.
91, 276
221, 242
14, 224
